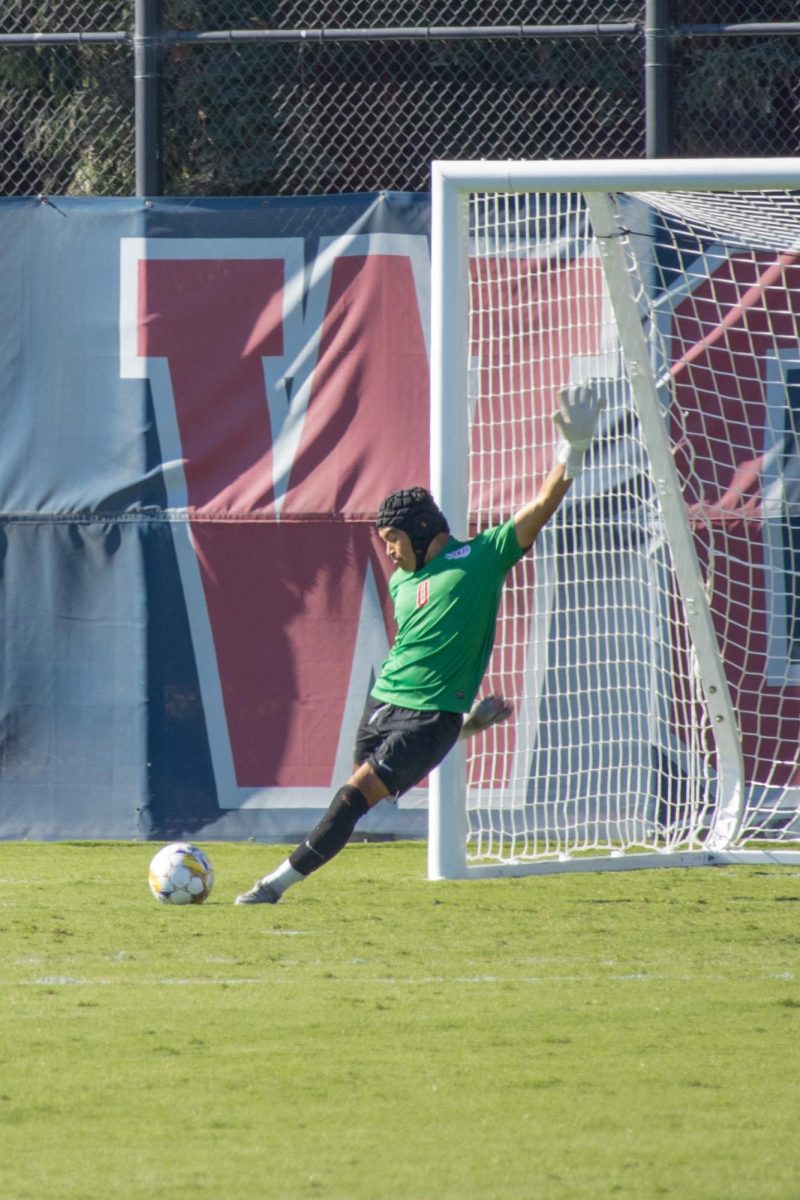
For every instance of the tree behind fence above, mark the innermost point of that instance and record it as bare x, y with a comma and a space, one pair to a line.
321, 115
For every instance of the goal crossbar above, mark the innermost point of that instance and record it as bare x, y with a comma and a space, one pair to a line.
616, 175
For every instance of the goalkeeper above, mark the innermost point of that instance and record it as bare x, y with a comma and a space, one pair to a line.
446, 595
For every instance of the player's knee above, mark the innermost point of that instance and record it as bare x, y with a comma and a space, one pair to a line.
368, 783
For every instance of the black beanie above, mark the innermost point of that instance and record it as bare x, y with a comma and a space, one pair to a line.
415, 512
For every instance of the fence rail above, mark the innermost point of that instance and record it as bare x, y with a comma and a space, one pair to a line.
158, 97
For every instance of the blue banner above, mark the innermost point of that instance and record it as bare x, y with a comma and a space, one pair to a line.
201, 403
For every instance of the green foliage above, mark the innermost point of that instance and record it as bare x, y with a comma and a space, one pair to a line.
375, 1035
66, 119
738, 97
320, 116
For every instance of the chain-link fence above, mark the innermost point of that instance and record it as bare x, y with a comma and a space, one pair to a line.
330, 96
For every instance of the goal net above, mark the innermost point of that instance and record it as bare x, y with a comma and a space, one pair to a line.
650, 643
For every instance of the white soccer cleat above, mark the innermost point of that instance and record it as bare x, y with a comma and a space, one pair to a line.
260, 893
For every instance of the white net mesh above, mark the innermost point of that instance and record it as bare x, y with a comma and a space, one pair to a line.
611, 747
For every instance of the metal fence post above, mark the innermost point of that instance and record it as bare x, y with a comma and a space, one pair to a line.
147, 96
657, 46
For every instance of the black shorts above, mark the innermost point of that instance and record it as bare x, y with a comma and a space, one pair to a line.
403, 744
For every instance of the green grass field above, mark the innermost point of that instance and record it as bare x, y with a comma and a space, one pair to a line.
378, 1037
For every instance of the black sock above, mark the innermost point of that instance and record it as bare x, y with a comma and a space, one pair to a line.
333, 831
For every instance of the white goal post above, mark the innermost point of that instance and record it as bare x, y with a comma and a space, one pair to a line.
650, 643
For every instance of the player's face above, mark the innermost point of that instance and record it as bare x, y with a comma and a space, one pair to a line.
398, 547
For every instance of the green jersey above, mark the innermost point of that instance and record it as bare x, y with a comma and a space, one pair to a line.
446, 614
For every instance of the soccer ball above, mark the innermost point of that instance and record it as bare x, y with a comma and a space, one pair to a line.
181, 874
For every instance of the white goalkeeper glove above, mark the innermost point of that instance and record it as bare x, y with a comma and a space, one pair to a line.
579, 408
488, 711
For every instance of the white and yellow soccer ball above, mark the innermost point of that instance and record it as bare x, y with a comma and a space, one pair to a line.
181, 873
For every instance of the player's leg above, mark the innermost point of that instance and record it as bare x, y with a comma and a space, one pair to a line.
395, 748
330, 835
363, 789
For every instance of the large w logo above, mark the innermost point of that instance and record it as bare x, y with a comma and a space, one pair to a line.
290, 397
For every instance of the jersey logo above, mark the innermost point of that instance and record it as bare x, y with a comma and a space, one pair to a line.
423, 592
461, 552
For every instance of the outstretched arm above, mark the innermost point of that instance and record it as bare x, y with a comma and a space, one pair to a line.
579, 407
531, 517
